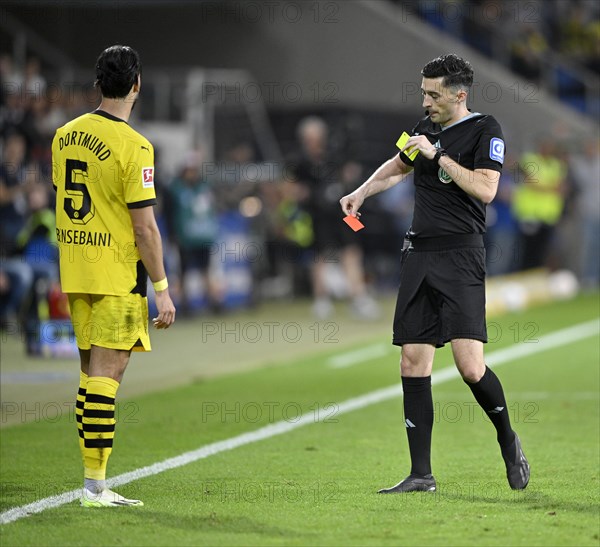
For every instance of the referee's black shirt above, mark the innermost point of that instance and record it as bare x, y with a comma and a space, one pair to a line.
441, 206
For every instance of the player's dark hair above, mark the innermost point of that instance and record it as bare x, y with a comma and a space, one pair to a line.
456, 72
117, 69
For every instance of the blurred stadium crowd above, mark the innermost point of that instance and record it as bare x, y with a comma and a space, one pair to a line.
546, 213
552, 43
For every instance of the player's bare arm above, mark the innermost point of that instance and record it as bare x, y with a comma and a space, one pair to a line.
148, 240
480, 183
385, 176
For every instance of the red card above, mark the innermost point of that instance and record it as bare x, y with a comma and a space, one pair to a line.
354, 223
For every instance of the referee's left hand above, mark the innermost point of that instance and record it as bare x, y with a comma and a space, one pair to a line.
422, 144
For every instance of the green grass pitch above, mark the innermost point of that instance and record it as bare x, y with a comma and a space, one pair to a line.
316, 484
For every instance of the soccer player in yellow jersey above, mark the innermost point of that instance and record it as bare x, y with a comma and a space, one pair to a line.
103, 172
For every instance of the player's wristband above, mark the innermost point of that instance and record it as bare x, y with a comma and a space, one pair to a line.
441, 152
160, 285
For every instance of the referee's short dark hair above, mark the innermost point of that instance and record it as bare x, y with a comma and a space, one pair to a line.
117, 69
454, 69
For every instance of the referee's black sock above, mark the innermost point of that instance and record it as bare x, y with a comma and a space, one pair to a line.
489, 394
418, 419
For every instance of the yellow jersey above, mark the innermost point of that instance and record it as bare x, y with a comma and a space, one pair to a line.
101, 168
542, 173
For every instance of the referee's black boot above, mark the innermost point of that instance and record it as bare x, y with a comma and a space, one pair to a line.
412, 483
517, 466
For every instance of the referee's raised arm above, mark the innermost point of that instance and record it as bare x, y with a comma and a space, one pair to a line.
388, 174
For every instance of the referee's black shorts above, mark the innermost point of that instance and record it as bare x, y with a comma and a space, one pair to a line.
442, 291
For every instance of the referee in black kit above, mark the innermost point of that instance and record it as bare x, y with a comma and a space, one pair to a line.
441, 297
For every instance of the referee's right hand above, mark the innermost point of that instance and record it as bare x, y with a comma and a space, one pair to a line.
351, 203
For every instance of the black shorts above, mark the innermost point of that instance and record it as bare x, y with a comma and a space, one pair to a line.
441, 295
331, 233
198, 258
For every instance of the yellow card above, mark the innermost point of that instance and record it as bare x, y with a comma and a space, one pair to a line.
402, 143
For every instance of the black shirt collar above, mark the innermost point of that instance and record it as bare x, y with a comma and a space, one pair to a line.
108, 116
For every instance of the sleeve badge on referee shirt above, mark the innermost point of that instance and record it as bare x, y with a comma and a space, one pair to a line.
497, 149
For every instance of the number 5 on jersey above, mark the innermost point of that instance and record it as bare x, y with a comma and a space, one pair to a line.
78, 206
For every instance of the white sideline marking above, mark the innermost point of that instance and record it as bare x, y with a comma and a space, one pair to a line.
358, 356
546, 342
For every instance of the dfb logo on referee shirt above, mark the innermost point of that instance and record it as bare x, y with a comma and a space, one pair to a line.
148, 177
444, 177
497, 149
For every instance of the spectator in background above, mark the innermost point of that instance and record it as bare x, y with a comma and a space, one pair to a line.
16, 280
38, 247
24, 100
34, 83
320, 177
12, 190
585, 170
37, 239
527, 51
538, 203
55, 114
592, 60
578, 31
193, 225
16, 275
8, 74
11, 84
290, 236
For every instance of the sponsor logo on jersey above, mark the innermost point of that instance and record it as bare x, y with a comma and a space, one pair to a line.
148, 177
497, 149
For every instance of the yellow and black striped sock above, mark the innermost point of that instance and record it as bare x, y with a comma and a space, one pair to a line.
98, 425
83, 377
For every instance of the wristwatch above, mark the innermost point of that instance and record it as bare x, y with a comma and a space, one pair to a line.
440, 152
